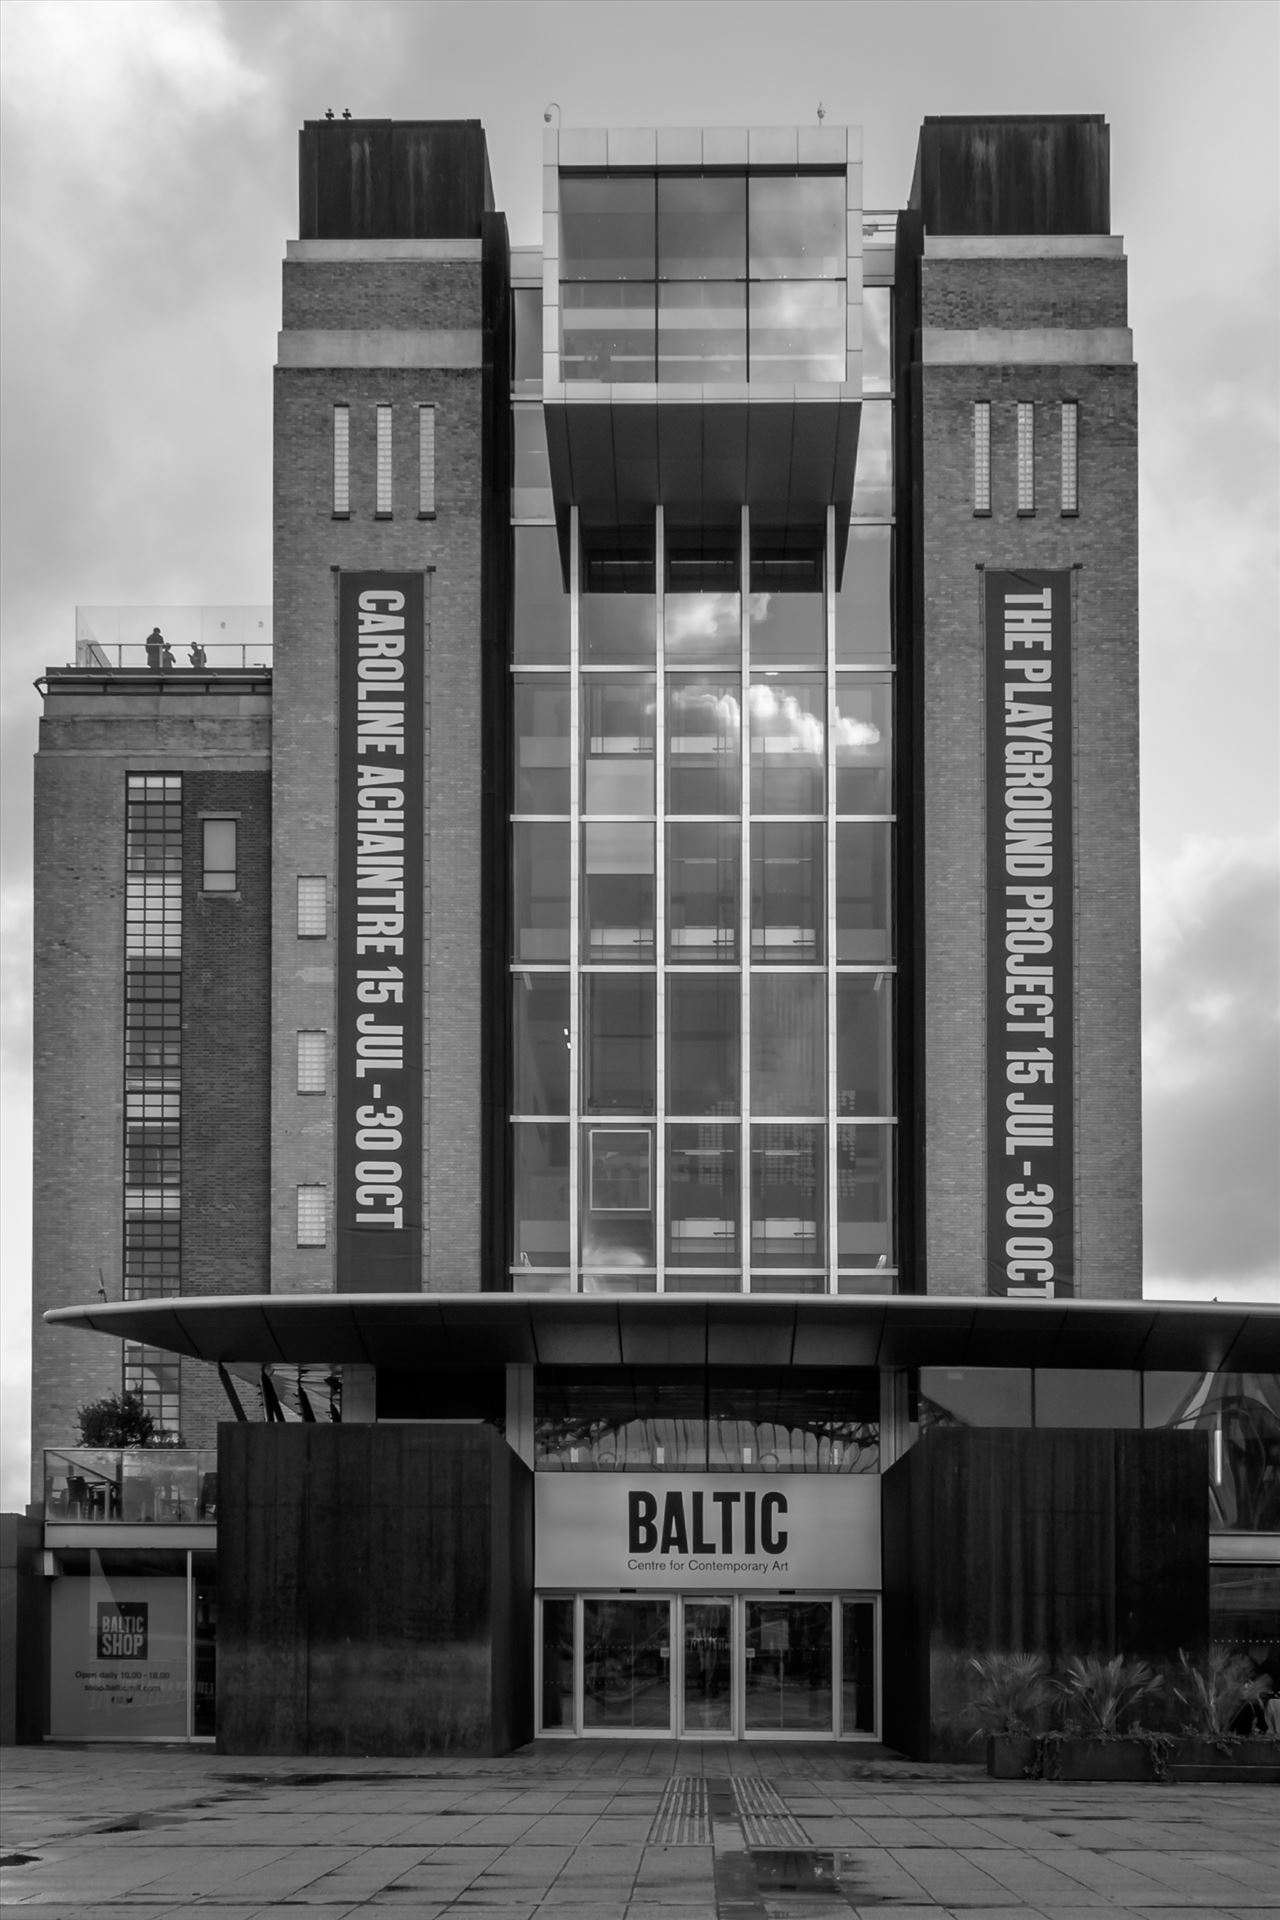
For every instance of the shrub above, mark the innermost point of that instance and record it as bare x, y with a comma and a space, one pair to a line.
1101, 1697
1012, 1692
117, 1420
1215, 1693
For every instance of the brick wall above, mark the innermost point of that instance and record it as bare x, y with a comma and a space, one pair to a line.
310, 546
90, 739
1037, 292
1102, 544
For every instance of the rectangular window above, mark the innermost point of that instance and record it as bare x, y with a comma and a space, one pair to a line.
382, 506
219, 859
982, 457
341, 462
313, 906
1026, 457
426, 462
1070, 456
313, 1051
311, 1216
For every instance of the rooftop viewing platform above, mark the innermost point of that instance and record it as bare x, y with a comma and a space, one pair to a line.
167, 639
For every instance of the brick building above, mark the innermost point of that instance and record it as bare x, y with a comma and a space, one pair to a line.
645, 978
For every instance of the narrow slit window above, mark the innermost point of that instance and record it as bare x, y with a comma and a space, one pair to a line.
312, 1216
342, 461
313, 906
313, 1051
219, 860
982, 457
1026, 457
1070, 456
383, 507
426, 463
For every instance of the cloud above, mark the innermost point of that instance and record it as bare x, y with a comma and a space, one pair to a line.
1211, 1066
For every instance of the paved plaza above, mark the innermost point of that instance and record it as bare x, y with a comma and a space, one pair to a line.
607, 1831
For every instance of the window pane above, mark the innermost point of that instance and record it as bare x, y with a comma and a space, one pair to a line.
702, 1196
542, 744
541, 603
864, 1201
864, 744
219, 838
862, 604
617, 628
794, 1420
797, 226
526, 322
703, 906
975, 1396
864, 1044
608, 332
702, 627
702, 330
702, 227
858, 1666
704, 743
540, 859
540, 1189
557, 1665
788, 1043
1087, 1397
797, 331
607, 226
788, 728
541, 1043
617, 744
788, 1226
864, 927
873, 478
787, 608
311, 1216
702, 1043
617, 1197
786, 891
618, 1046
313, 901
876, 362
313, 1051
532, 464
617, 891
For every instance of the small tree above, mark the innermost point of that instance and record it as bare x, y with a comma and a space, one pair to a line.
117, 1420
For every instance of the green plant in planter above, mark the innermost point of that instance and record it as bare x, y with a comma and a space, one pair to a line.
1101, 1697
1215, 1693
1012, 1691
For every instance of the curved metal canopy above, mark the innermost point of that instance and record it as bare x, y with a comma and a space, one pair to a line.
404, 1331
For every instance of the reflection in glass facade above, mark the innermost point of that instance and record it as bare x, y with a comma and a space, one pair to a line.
703, 278
703, 953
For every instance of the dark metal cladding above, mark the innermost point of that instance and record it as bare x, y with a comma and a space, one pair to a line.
392, 180
1016, 174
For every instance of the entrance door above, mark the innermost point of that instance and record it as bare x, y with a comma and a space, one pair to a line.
626, 1665
788, 1667
707, 1651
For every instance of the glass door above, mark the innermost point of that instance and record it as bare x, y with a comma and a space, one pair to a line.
707, 1667
626, 1665
788, 1686
857, 1667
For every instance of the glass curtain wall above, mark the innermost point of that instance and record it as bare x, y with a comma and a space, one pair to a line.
703, 962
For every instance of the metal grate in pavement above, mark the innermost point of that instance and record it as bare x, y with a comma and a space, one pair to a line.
763, 1813
682, 1819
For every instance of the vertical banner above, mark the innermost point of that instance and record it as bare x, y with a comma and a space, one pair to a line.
1030, 1249
378, 1183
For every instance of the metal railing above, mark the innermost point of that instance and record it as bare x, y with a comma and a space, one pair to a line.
130, 1486
169, 639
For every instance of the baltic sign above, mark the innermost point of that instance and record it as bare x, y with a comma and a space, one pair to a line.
380, 833
1030, 1250
708, 1532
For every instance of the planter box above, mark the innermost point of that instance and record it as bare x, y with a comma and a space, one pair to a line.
1011, 1756
1229, 1760
1078, 1758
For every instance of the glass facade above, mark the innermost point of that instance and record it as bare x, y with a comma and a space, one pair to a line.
704, 1093
703, 277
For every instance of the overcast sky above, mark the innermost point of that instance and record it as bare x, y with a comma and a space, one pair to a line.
149, 185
